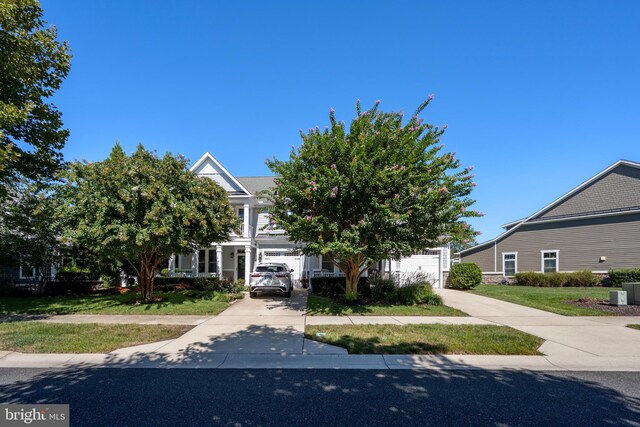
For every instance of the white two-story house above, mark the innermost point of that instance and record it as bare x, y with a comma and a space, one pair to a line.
260, 241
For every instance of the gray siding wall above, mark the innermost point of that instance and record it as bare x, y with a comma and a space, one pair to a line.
619, 189
482, 256
581, 244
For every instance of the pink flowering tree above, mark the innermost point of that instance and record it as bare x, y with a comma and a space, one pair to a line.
381, 189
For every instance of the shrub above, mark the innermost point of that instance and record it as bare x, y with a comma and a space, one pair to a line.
73, 287
328, 286
529, 278
383, 290
556, 280
198, 284
583, 278
73, 273
618, 277
465, 275
417, 293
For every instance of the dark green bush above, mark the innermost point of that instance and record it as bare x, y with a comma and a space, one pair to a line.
557, 280
466, 275
529, 278
73, 273
618, 277
417, 293
71, 287
582, 278
328, 286
383, 290
197, 284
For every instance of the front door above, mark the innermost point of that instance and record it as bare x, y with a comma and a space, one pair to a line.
240, 266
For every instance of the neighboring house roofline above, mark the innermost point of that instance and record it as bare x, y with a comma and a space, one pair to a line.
512, 223
555, 203
207, 156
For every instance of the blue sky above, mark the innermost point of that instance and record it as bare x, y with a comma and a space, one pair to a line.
538, 96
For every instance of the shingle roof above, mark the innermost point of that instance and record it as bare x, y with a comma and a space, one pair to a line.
255, 184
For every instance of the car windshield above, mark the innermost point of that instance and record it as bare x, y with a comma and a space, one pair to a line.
269, 268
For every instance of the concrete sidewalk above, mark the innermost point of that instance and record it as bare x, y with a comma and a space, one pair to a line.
578, 341
268, 332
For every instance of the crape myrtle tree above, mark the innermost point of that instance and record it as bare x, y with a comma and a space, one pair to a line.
381, 189
30, 228
33, 65
141, 209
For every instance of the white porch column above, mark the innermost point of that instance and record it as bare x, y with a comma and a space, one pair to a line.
245, 226
172, 265
219, 261
194, 263
247, 264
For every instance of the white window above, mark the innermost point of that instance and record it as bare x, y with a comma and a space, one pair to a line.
326, 265
241, 214
207, 261
510, 263
550, 261
27, 273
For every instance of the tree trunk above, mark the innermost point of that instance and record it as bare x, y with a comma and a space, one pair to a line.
146, 278
352, 271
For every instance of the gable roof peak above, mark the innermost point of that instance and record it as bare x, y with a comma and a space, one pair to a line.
208, 156
514, 225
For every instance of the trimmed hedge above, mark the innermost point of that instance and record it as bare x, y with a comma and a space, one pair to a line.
583, 278
465, 275
618, 277
198, 284
71, 287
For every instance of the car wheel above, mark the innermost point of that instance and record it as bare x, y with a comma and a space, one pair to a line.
252, 294
288, 293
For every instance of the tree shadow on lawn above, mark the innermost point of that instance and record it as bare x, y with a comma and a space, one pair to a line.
326, 397
374, 345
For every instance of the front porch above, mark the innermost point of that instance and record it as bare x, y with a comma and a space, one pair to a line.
227, 261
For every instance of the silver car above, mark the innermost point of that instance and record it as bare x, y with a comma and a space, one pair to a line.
271, 277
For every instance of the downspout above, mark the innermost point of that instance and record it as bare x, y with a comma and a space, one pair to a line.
495, 256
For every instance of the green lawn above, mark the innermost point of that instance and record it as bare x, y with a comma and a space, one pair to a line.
40, 337
426, 339
174, 303
323, 306
549, 299
634, 326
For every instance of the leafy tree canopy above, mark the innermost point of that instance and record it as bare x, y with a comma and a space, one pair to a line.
33, 64
142, 208
30, 228
383, 188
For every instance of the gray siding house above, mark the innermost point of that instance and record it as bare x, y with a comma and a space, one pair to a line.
595, 226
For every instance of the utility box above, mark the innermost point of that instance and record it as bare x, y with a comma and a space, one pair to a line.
617, 298
633, 292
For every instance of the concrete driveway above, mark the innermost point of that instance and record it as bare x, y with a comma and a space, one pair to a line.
267, 324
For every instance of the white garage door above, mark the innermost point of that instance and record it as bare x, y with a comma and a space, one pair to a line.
292, 258
427, 262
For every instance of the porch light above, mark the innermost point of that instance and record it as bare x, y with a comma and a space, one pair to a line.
231, 255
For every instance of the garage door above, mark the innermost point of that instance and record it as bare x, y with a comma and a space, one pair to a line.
427, 262
292, 258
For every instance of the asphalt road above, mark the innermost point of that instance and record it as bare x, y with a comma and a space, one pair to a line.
176, 397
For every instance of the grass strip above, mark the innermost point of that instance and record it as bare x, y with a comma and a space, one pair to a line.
427, 339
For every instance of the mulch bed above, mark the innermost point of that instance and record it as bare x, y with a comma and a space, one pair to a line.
603, 304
